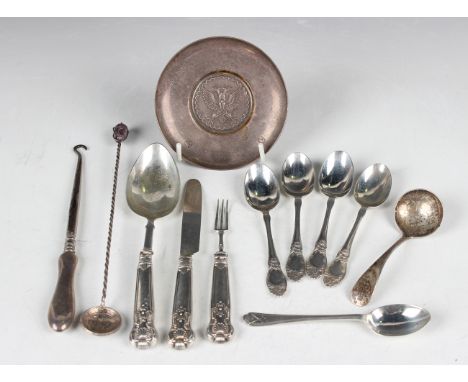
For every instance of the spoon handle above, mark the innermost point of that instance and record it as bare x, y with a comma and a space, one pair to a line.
276, 280
318, 260
220, 328
364, 287
295, 266
336, 271
181, 334
265, 319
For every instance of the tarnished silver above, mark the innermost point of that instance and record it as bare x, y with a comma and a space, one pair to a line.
153, 188
62, 307
417, 213
388, 320
335, 180
220, 328
220, 97
298, 180
103, 320
181, 334
262, 193
371, 190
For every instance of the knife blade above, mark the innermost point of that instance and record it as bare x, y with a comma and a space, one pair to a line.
191, 219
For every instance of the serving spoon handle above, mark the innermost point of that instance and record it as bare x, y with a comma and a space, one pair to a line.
364, 288
143, 334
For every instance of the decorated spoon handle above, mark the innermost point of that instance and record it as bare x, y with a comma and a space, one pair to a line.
364, 287
336, 271
181, 334
318, 260
276, 280
143, 334
295, 266
220, 328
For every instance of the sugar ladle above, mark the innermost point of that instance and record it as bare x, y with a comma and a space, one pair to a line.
102, 320
418, 213
388, 320
335, 180
371, 190
298, 180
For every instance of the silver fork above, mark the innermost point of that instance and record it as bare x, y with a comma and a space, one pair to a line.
220, 328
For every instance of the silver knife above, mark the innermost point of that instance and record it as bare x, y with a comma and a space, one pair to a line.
181, 334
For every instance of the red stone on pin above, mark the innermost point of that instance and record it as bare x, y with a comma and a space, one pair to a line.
120, 132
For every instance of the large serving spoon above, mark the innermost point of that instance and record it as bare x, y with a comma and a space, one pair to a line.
153, 188
371, 190
262, 193
335, 180
417, 213
388, 320
298, 180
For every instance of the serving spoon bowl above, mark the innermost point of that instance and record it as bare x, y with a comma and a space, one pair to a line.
418, 213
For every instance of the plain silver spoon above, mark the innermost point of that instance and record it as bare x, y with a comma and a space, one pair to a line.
371, 190
388, 320
153, 188
335, 180
262, 193
298, 180
418, 213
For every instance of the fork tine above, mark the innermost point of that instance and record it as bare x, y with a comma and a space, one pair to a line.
226, 225
222, 215
216, 227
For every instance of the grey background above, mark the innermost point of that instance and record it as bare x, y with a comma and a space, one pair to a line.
385, 90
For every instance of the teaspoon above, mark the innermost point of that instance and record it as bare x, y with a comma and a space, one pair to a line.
335, 180
262, 193
388, 320
298, 180
418, 213
371, 190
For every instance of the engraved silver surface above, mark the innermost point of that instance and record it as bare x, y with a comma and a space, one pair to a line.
222, 103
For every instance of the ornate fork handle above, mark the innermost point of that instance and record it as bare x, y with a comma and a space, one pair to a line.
220, 328
181, 334
144, 334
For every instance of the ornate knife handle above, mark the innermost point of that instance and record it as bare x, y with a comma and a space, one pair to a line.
144, 334
181, 334
62, 307
220, 328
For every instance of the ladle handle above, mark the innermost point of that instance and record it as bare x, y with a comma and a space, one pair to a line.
220, 328
62, 308
364, 287
181, 334
144, 334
